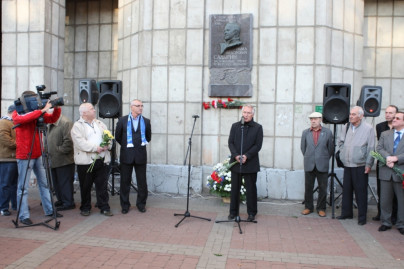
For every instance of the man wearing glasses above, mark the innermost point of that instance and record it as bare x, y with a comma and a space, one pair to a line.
391, 147
389, 115
133, 133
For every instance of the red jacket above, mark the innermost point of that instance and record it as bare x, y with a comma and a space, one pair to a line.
25, 132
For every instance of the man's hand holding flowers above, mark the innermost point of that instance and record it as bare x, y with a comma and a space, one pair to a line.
106, 140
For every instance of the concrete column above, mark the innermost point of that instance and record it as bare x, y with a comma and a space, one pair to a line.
33, 47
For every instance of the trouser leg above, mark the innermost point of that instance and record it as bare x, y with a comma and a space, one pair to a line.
141, 185
126, 180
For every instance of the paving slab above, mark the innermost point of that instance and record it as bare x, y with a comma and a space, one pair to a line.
281, 238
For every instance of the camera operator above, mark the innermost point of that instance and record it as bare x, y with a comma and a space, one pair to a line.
29, 152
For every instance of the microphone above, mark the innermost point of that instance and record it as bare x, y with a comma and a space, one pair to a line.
195, 116
242, 120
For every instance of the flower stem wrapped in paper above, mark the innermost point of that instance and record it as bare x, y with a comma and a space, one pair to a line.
382, 162
106, 139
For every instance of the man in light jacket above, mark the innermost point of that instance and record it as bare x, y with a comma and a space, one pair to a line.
355, 147
87, 136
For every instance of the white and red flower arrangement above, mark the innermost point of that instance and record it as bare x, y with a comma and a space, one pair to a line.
219, 182
223, 104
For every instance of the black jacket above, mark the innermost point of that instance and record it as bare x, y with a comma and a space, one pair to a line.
137, 154
381, 127
252, 143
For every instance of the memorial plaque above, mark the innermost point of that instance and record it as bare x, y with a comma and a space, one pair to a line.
230, 55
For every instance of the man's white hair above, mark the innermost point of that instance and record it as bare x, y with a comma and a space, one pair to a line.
248, 105
84, 107
360, 110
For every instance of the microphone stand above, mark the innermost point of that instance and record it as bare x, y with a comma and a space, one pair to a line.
237, 219
187, 214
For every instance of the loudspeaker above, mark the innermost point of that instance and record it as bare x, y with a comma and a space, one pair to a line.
110, 103
336, 100
88, 91
370, 100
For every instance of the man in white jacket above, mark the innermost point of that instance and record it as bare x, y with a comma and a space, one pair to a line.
87, 135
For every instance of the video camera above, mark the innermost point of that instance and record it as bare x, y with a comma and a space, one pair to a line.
32, 101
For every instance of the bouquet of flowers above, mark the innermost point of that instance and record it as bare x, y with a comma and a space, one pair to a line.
219, 182
382, 161
106, 139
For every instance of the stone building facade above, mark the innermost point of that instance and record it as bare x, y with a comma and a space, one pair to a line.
159, 49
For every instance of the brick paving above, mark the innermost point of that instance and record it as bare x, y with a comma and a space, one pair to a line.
282, 238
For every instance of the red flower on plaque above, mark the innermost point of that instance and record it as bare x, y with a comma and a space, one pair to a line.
206, 105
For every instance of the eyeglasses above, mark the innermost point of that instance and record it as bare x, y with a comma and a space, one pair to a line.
138, 105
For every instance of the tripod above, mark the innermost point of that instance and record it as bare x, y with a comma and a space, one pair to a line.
187, 214
237, 219
113, 166
40, 130
333, 177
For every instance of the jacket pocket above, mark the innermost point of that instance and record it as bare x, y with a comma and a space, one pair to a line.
359, 154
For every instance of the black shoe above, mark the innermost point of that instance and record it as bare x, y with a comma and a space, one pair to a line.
362, 222
57, 215
85, 213
343, 217
141, 209
26, 221
107, 213
401, 230
384, 228
251, 218
125, 211
5, 212
376, 218
231, 217
58, 203
63, 208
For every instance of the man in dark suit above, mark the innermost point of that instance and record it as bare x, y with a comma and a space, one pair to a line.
391, 147
317, 145
133, 133
248, 161
389, 115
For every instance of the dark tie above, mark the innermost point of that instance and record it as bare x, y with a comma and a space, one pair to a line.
396, 141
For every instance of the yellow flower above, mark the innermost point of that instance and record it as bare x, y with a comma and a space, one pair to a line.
108, 133
106, 139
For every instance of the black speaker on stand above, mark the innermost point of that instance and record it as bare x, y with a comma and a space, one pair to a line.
370, 100
110, 102
336, 100
110, 106
88, 91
